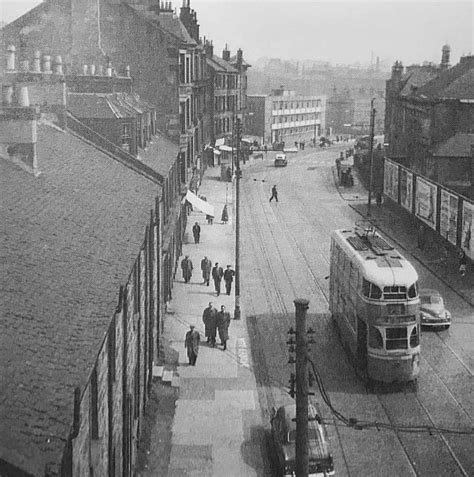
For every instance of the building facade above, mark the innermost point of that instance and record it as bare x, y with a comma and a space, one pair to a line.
285, 117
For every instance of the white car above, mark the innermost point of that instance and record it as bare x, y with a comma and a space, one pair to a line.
433, 312
280, 160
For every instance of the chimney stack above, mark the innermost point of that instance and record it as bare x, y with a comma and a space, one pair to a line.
445, 53
226, 54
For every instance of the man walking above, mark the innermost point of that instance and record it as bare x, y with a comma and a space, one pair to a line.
274, 194
228, 278
206, 266
191, 343
187, 268
209, 318
196, 232
217, 274
223, 322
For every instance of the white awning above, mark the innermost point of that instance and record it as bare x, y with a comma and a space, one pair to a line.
199, 204
220, 142
226, 148
217, 152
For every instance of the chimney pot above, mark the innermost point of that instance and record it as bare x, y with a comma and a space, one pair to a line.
11, 58
37, 62
47, 64
23, 97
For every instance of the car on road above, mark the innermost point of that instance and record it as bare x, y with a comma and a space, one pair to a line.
432, 309
280, 160
283, 424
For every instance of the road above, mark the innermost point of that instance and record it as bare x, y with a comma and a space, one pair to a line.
285, 255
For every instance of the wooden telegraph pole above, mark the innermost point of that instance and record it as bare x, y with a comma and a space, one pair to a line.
302, 458
237, 222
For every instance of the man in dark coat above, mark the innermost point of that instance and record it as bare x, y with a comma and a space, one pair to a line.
209, 318
217, 274
223, 322
274, 194
187, 268
196, 232
191, 343
206, 266
228, 278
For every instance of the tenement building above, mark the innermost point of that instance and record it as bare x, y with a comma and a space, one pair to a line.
285, 117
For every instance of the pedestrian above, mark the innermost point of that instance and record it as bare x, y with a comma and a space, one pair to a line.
196, 232
378, 198
229, 174
266, 149
274, 194
228, 278
191, 343
217, 274
206, 266
187, 268
223, 323
209, 318
225, 215
462, 263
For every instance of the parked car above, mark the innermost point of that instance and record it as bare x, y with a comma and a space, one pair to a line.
433, 311
283, 424
280, 160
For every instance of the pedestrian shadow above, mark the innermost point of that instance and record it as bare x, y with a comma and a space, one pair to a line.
257, 451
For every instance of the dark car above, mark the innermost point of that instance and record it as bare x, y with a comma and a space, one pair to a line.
283, 423
433, 311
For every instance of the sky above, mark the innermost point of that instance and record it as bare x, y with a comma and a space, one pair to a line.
338, 31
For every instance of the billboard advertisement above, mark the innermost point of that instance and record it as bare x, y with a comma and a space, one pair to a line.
390, 179
467, 239
406, 189
425, 202
448, 216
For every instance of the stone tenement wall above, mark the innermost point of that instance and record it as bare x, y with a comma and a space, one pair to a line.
106, 429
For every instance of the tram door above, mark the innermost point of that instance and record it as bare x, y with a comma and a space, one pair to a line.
361, 343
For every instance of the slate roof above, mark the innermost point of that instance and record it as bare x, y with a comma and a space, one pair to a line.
233, 60
69, 239
221, 65
160, 155
454, 83
458, 145
417, 77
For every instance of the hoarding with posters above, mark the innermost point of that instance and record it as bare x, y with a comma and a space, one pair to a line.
426, 202
467, 238
390, 179
448, 216
406, 189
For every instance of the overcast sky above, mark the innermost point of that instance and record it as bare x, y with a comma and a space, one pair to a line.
338, 31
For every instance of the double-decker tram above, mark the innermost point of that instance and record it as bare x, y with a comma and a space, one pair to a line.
375, 304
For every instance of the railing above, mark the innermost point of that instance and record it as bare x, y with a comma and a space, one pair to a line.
111, 149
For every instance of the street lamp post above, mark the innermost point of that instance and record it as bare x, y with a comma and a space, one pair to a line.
371, 155
237, 222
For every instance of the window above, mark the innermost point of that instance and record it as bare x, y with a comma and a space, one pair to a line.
413, 291
375, 338
396, 338
395, 293
415, 337
370, 290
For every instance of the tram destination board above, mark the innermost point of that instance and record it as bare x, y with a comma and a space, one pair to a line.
395, 309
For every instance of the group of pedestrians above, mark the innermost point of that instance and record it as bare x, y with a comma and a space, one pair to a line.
216, 322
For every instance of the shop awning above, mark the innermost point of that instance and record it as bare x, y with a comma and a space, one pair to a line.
226, 148
220, 142
199, 204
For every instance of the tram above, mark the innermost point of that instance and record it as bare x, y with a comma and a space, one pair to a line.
375, 305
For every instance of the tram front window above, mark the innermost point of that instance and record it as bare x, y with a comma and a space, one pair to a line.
396, 338
414, 337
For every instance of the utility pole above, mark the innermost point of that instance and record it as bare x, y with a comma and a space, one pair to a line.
371, 155
237, 221
302, 457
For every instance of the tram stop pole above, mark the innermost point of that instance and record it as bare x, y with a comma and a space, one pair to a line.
302, 458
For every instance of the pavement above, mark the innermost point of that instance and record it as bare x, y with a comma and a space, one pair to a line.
217, 410
217, 418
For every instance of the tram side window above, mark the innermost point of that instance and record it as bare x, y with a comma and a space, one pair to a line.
370, 290
413, 291
396, 338
414, 337
375, 338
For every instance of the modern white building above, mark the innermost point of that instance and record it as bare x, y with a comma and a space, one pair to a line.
284, 116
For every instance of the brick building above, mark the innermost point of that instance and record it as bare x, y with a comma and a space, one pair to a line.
284, 116
429, 120
92, 234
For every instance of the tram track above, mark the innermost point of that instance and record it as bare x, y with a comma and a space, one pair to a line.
304, 209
